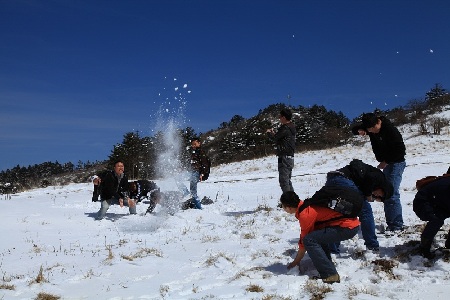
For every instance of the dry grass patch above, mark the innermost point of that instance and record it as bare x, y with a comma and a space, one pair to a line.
212, 259
4, 286
40, 277
317, 290
143, 253
253, 288
46, 296
386, 266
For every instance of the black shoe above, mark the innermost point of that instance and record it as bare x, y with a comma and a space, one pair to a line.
447, 243
424, 248
427, 253
150, 208
206, 201
188, 204
374, 249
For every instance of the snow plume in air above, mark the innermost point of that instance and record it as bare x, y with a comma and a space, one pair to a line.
170, 121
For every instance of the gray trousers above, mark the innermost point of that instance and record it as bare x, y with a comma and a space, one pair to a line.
113, 201
316, 244
285, 166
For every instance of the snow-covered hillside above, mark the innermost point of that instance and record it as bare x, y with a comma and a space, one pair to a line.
236, 248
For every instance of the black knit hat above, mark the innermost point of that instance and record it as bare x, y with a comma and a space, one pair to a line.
369, 120
286, 112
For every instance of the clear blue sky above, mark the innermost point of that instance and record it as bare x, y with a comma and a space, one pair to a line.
75, 76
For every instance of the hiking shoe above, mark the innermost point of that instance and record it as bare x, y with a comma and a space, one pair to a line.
447, 243
332, 279
374, 249
187, 204
206, 201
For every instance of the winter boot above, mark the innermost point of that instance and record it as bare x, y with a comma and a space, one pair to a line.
188, 204
151, 207
332, 279
197, 203
424, 248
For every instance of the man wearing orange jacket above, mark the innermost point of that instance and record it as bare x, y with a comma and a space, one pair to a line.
320, 226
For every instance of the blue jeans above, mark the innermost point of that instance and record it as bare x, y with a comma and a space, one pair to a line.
316, 244
113, 201
285, 166
194, 180
393, 206
365, 216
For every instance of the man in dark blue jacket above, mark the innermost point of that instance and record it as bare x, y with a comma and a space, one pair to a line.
389, 149
372, 185
432, 204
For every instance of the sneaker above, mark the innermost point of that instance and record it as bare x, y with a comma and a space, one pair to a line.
374, 249
447, 243
206, 201
393, 231
188, 204
332, 279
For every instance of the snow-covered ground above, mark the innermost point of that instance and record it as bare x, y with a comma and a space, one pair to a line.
236, 248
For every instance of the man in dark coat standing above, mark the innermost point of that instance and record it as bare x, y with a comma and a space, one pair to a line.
389, 149
284, 139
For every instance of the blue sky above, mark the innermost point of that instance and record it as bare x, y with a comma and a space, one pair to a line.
75, 76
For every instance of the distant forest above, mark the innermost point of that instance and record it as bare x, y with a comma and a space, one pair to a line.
236, 140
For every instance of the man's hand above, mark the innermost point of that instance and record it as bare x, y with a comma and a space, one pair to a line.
382, 165
292, 264
362, 132
121, 202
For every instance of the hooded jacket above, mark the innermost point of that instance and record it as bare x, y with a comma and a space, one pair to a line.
114, 186
310, 216
367, 178
284, 139
387, 145
433, 200
199, 160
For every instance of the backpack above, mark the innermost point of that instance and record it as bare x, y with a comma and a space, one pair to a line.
344, 200
206, 167
421, 183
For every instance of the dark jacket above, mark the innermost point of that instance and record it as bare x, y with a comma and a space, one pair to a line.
199, 160
367, 178
284, 139
143, 187
387, 145
112, 186
433, 200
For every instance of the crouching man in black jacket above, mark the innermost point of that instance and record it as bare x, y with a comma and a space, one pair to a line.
140, 189
432, 204
115, 190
